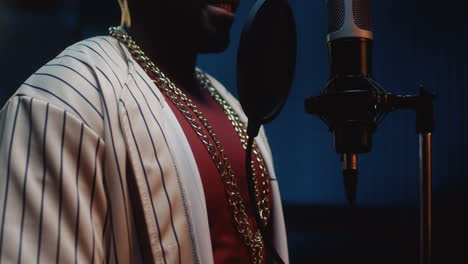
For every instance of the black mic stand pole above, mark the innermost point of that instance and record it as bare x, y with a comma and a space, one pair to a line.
425, 198
425, 127
423, 105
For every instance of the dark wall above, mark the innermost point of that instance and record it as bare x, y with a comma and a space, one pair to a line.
31, 34
415, 42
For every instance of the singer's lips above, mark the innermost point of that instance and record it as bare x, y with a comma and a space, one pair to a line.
228, 5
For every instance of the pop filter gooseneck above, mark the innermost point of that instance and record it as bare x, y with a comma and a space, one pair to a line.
266, 62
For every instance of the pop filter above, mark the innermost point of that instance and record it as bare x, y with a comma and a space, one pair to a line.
266, 61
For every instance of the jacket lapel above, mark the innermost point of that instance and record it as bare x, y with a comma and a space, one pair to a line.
165, 173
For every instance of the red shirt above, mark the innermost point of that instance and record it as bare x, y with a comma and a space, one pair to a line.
227, 244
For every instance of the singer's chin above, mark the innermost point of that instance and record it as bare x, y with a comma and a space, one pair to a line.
214, 34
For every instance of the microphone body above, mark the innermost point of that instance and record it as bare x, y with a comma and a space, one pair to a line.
350, 53
348, 102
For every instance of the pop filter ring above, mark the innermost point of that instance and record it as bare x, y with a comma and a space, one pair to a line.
254, 43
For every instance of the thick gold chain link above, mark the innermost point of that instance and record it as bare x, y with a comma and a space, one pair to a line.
263, 199
253, 240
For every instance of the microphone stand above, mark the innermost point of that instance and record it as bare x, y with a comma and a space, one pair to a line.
423, 105
381, 102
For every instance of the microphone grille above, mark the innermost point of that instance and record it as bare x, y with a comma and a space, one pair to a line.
336, 15
362, 14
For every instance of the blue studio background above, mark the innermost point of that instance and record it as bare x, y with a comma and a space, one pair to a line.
419, 41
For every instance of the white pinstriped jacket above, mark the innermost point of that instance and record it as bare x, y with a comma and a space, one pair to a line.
69, 139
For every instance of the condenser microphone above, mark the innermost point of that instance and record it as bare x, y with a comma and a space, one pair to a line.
350, 51
347, 103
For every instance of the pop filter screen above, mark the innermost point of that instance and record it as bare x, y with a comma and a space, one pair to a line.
266, 60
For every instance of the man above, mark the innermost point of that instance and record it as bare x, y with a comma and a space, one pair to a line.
120, 150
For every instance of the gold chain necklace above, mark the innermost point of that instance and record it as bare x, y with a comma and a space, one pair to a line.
253, 240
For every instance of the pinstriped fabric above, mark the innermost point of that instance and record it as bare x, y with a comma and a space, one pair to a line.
32, 218
6, 178
3, 115
69, 136
117, 186
68, 83
169, 199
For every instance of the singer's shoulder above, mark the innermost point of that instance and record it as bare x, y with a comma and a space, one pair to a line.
100, 54
85, 69
80, 78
